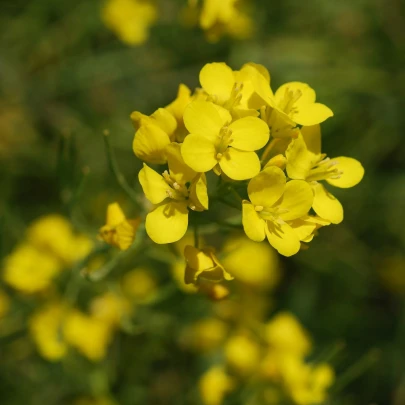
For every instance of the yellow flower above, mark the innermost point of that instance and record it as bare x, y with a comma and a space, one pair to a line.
30, 270
235, 91
205, 335
273, 202
304, 383
153, 134
139, 285
216, 143
46, 328
89, 335
54, 234
218, 17
172, 193
306, 162
242, 354
250, 262
294, 103
130, 20
285, 334
110, 308
118, 230
214, 385
177, 107
202, 264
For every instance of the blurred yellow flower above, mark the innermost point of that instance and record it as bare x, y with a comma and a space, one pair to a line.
203, 265
306, 162
250, 262
242, 354
214, 384
139, 285
304, 383
172, 194
130, 20
110, 308
272, 203
225, 17
118, 230
89, 335
30, 270
46, 328
54, 235
215, 142
205, 335
285, 334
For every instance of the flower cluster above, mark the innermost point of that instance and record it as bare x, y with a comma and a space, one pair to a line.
265, 147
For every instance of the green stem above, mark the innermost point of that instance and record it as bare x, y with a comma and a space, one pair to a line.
116, 171
356, 370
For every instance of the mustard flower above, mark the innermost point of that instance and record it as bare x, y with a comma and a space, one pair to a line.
250, 262
173, 193
272, 203
30, 270
154, 134
215, 142
214, 384
89, 335
118, 230
235, 90
202, 264
224, 17
139, 285
306, 162
130, 20
46, 329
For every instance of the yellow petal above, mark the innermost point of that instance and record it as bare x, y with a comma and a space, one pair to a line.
239, 165
199, 153
249, 133
305, 226
283, 238
326, 205
150, 143
115, 215
217, 80
311, 114
262, 93
153, 184
203, 118
299, 159
164, 120
267, 187
168, 222
177, 166
352, 174
199, 193
260, 68
312, 138
253, 225
307, 93
297, 199
177, 106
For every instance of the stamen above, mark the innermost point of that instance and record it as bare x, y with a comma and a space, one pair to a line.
176, 185
169, 193
219, 156
192, 207
259, 208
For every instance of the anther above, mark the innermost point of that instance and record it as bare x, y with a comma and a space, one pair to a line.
219, 156
176, 185
259, 208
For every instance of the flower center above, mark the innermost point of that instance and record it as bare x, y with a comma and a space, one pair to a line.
175, 190
271, 213
287, 104
224, 140
324, 169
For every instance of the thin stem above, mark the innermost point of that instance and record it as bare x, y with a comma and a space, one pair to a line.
356, 370
268, 149
116, 171
196, 239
